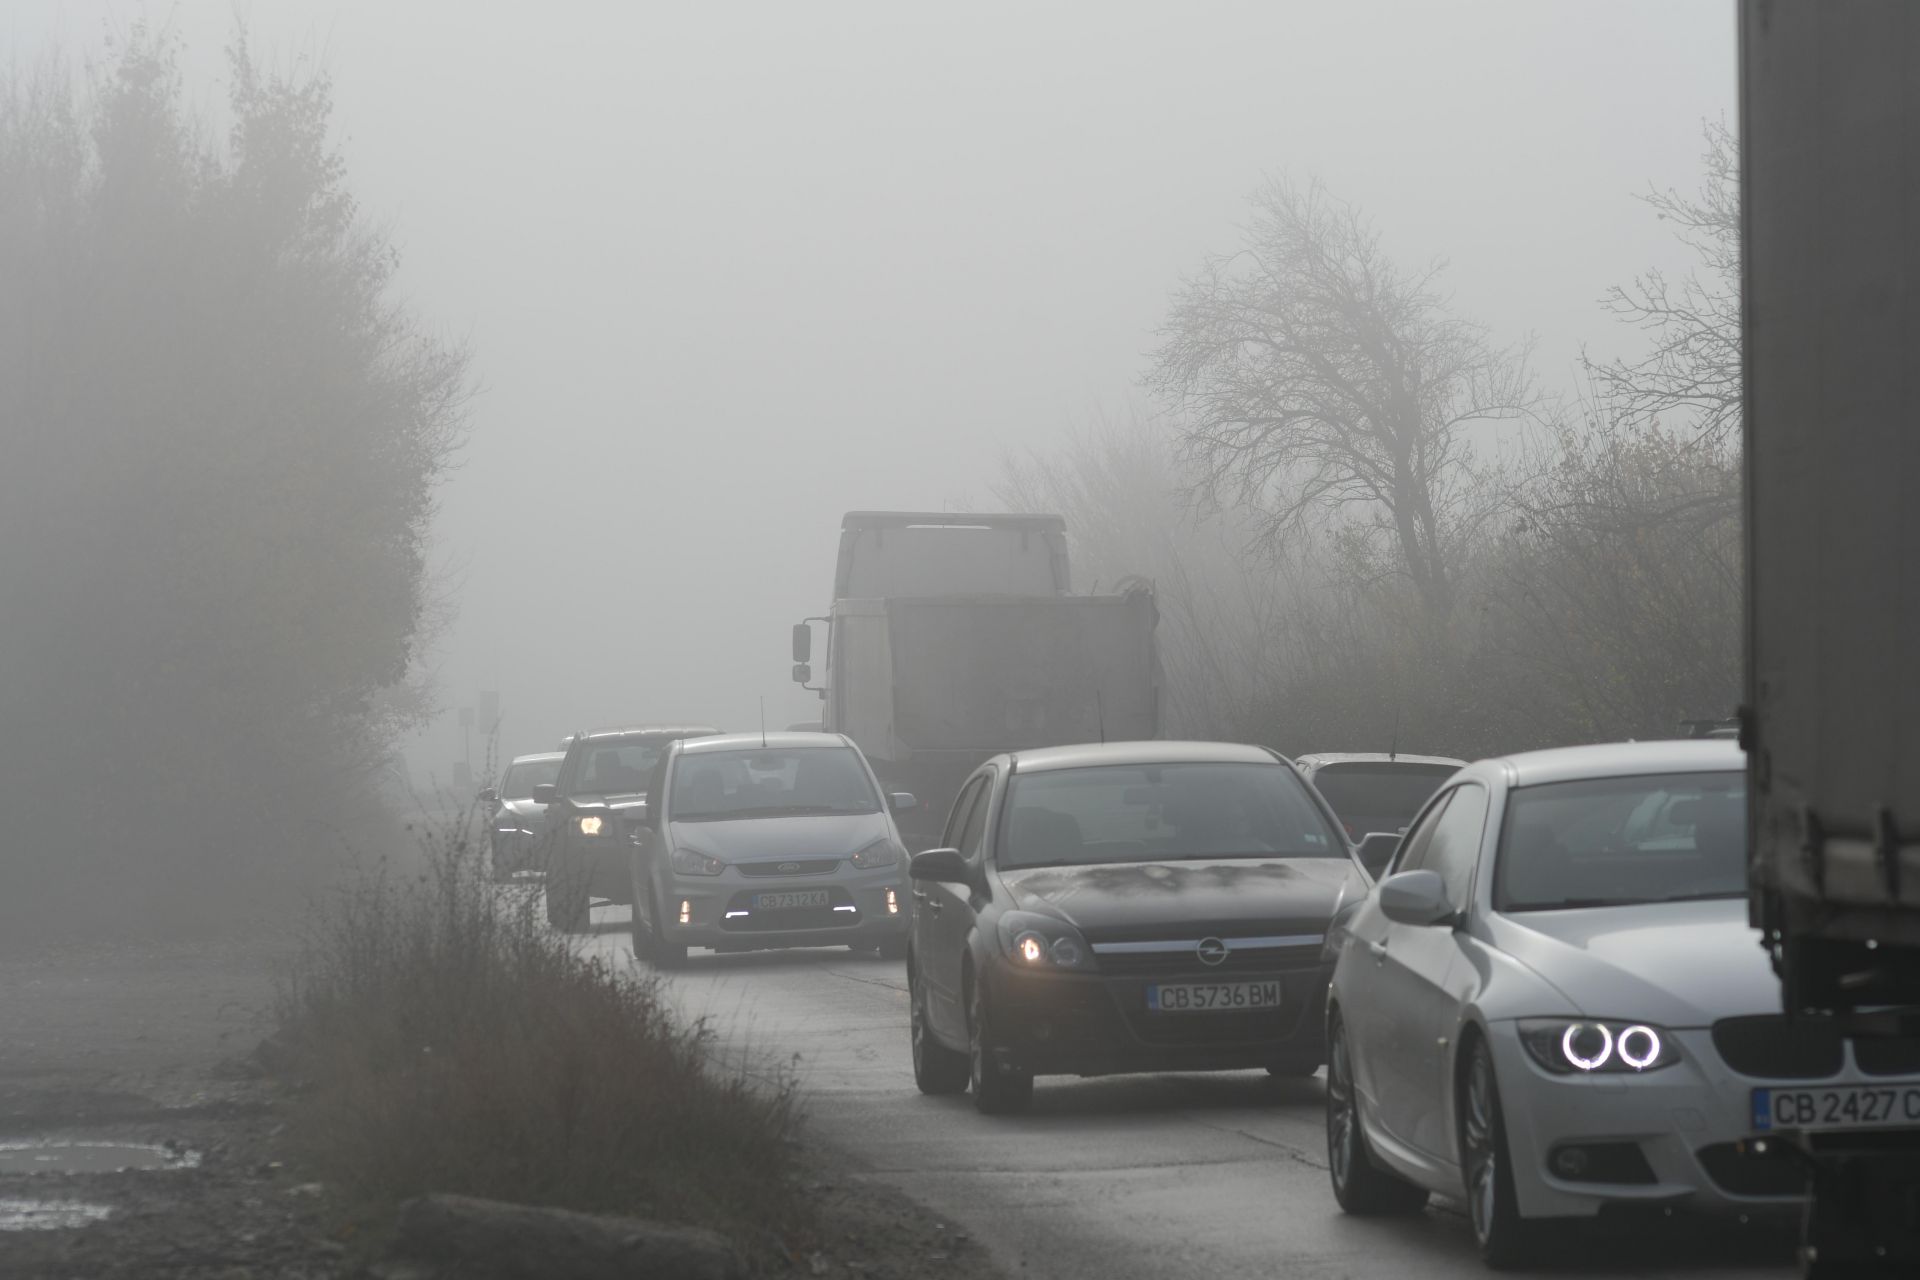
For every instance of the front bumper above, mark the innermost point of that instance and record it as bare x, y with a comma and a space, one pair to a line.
1046, 1022
719, 912
1690, 1123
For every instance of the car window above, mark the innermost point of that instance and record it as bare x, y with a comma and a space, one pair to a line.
1413, 846
614, 767
1158, 812
962, 807
1379, 795
972, 835
1601, 842
1453, 844
525, 775
762, 783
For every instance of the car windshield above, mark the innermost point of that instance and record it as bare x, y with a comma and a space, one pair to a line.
1160, 812
618, 766
524, 775
1605, 842
1379, 795
783, 782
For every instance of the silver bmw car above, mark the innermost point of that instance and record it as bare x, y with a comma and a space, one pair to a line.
1552, 1001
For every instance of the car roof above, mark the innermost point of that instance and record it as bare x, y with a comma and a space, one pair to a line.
784, 739
1616, 760
651, 731
1321, 759
538, 757
1088, 754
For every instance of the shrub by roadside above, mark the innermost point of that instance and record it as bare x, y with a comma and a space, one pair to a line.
446, 1041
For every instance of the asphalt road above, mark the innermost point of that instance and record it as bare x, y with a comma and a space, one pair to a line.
1195, 1176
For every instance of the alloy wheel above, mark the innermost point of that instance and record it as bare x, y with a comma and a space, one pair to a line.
1483, 1150
1340, 1117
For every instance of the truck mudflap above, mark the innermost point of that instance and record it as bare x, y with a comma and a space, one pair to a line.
1863, 1210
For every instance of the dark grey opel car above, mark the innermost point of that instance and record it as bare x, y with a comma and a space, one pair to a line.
1143, 906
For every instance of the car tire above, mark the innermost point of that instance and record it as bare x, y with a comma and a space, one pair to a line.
1506, 1239
893, 948
995, 1093
936, 1069
1362, 1187
661, 953
567, 911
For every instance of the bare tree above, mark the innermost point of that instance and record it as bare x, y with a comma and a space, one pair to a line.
1314, 375
1691, 378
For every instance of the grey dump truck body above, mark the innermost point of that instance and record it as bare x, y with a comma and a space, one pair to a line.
1830, 140
955, 637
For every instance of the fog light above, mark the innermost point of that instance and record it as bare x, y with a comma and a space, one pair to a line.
893, 904
686, 911
1570, 1162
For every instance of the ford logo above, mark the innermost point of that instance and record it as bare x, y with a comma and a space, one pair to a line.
788, 868
1211, 951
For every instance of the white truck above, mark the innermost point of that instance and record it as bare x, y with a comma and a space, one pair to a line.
954, 637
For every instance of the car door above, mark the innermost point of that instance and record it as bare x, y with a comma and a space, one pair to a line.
935, 959
1420, 973
1373, 1035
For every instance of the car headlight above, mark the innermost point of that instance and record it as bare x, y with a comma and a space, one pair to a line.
1042, 942
591, 824
1589, 1046
691, 862
880, 853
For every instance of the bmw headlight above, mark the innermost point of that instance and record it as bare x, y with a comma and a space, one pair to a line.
691, 862
880, 853
591, 824
1042, 942
1589, 1046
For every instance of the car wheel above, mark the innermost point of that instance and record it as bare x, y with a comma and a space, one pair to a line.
567, 910
1361, 1186
1505, 1238
936, 1068
661, 953
995, 1093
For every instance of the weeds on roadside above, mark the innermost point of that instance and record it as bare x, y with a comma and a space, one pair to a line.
447, 1040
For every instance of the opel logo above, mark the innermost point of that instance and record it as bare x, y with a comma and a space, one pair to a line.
1211, 951
787, 868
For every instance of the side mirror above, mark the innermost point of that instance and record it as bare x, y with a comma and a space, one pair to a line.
543, 792
901, 801
489, 796
1418, 898
943, 865
802, 641
802, 673
1376, 850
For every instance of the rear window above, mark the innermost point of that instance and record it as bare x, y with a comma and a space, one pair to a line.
1162, 812
1379, 795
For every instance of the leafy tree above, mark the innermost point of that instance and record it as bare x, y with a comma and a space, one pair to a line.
224, 436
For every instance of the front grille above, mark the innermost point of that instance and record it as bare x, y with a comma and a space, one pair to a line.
1737, 1169
1180, 957
789, 867
1770, 1047
1888, 1055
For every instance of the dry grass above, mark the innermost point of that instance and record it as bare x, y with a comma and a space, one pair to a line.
446, 1040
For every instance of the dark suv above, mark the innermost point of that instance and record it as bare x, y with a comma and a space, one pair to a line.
594, 809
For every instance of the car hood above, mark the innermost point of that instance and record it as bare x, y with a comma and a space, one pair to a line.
825, 835
1116, 899
1680, 964
618, 800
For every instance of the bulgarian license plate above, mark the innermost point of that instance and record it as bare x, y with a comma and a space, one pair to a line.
1212, 997
788, 901
1844, 1106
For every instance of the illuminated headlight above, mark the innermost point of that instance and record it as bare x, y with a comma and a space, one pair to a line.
880, 853
1041, 942
691, 862
591, 824
1569, 1046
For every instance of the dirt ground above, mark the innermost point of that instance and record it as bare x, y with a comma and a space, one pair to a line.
152, 1044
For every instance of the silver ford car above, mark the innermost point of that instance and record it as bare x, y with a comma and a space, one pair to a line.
1552, 1001
756, 841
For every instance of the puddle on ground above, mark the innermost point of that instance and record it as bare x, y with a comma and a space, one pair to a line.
59, 1155
49, 1215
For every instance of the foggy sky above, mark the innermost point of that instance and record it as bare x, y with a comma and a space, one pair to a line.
730, 270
